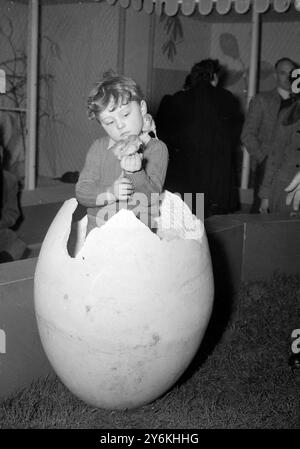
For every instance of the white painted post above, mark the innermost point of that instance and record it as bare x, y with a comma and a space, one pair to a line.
32, 84
255, 37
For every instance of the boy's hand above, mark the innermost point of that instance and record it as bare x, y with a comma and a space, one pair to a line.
131, 163
123, 188
264, 206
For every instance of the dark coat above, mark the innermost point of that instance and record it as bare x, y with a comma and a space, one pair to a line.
201, 128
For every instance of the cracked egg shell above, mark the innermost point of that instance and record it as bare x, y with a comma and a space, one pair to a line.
121, 321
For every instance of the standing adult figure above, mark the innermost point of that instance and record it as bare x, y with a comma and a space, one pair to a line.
171, 115
204, 126
261, 122
283, 162
219, 137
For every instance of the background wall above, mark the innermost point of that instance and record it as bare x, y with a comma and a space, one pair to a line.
170, 72
13, 49
80, 44
80, 41
136, 46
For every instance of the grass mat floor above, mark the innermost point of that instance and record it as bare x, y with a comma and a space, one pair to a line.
240, 378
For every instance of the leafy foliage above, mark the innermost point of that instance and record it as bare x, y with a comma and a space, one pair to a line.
16, 73
174, 31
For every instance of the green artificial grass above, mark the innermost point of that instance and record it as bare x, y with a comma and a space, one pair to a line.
239, 379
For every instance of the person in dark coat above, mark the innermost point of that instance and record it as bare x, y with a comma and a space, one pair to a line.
170, 115
204, 126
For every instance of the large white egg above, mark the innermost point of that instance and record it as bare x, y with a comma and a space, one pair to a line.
121, 321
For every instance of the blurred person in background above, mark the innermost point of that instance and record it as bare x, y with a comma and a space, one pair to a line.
204, 125
261, 121
283, 162
11, 246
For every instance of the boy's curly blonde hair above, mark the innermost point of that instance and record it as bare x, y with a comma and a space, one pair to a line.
112, 86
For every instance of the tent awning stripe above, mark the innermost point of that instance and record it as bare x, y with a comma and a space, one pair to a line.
205, 7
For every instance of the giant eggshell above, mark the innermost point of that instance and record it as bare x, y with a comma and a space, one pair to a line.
121, 321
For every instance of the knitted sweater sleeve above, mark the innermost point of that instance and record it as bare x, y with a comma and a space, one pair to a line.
90, 188
151, 178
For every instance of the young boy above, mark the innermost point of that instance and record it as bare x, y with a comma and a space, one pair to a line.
109, 178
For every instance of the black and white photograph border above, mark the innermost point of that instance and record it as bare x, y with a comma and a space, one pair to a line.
178, 318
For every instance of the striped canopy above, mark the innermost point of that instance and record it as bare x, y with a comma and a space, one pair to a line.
204, 7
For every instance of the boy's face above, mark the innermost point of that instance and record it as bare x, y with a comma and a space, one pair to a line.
124, 120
